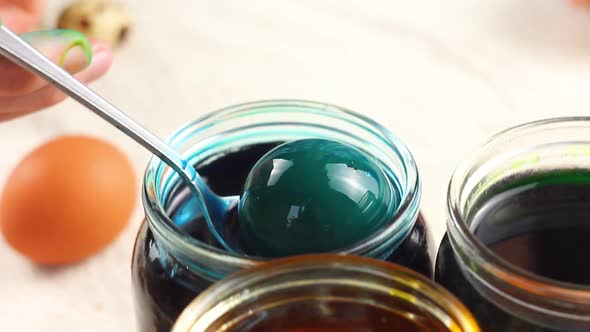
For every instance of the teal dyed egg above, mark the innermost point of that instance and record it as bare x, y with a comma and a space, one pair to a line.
312, 196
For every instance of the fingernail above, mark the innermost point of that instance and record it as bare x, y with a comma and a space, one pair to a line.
68, 48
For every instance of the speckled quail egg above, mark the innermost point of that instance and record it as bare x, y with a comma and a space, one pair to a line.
101, 19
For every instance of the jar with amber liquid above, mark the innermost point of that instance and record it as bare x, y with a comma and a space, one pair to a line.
326, 293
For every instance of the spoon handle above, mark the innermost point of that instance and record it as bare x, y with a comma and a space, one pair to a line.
21, 53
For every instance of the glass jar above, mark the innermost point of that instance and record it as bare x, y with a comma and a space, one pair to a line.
326, 293
516, 249
172, 264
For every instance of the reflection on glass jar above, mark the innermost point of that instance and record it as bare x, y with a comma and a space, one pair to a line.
175, 257
326, 293
517, 247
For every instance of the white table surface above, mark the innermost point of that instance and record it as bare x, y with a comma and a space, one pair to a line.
442, 75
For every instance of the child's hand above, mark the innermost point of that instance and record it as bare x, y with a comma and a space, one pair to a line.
21, 92
21, 15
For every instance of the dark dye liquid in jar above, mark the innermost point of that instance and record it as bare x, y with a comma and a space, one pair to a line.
412, 253
539, 223
542, 224
164, 287
327, 316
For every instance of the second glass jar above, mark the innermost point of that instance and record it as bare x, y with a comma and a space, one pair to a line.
516, 249
175, 259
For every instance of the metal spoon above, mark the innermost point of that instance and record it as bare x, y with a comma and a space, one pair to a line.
214, 207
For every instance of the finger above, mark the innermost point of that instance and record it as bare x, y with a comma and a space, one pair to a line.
17, 19
69, 49
12, 107
29, 5
21, 15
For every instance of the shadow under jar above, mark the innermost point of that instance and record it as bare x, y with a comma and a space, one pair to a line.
176, 257
517, 248
326, 293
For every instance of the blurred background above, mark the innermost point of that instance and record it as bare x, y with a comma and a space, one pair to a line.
441, 75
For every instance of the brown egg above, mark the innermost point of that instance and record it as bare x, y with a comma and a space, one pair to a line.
67, 200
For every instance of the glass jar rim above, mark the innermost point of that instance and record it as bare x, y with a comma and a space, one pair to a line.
155, 210
461, 236
243, 284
